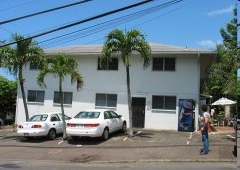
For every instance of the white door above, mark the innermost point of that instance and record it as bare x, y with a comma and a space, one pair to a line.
116, 121
56, 123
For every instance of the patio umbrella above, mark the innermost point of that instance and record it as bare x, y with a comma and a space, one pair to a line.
223, 102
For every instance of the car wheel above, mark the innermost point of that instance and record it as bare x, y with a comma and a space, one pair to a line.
51, 134
124, 127
22, 139
105, 134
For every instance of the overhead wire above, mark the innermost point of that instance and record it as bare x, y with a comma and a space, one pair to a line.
113, 26
31, 15
111, 23
160, 15
82, 21
15, 5
45, 11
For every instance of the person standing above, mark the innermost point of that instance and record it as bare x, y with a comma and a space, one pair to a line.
204, 125
212, 112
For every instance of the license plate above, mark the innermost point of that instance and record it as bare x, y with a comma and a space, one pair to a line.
79, 125
26, 134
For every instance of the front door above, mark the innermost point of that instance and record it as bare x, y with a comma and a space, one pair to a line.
138, 111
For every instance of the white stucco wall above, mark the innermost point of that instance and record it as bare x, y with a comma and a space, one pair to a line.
182, 83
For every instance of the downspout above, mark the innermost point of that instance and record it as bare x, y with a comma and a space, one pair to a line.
197, 107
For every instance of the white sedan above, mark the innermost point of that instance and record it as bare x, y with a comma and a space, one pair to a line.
44, 124
95, 123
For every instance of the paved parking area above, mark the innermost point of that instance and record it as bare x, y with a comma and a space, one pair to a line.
146, 145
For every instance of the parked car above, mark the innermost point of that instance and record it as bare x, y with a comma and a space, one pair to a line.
95, 123
1, 122
44, 124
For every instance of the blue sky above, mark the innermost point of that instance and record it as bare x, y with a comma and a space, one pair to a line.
191, 23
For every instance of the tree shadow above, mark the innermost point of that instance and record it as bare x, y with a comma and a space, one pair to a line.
93, 140
10, 166
142, 134
84, 141
36, 139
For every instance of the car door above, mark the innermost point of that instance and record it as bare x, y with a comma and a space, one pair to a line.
108, 121
56, 123
116, 121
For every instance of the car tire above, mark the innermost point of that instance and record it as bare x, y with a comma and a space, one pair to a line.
52, 134
23, 138
105, 134
124, 127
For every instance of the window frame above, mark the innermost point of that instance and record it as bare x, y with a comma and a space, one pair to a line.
37, 93
56, 99
111, 65
164, 105
165, 65
111, 103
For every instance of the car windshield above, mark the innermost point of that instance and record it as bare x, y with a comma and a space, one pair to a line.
66, 117
87, 115
38, 118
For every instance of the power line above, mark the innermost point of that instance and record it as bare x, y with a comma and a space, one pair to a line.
42, 12
15, 5
82, 21
123, 19
104, 25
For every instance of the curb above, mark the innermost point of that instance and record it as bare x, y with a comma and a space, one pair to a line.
139, 161
162, 160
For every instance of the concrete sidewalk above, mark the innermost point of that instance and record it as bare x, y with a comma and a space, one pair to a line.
145, 146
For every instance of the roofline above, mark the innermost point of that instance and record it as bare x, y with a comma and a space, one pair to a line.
152, 52
184, 52
96, 50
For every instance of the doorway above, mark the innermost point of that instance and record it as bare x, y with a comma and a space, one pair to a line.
138, 111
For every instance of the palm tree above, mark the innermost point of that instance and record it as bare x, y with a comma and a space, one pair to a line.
16, 57
3, 54
60, 67
126, 43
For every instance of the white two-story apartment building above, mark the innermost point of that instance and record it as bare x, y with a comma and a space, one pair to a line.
174, 74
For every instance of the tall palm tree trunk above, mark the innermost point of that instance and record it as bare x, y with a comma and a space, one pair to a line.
21, 81
62, 109
129, 102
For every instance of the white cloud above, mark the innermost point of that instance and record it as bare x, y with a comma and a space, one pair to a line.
221, 11
209, 43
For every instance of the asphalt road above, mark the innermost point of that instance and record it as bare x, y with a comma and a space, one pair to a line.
50, 165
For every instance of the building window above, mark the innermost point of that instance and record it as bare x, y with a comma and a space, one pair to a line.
111, 65
164, 64
164, 102
34, 66
67, 97
36, 96
106, 100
